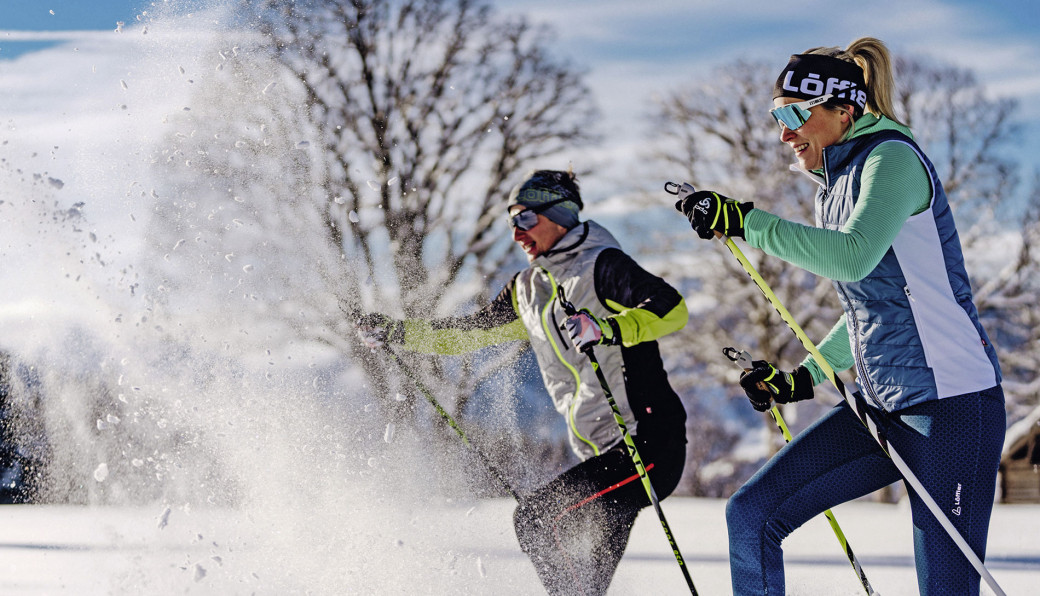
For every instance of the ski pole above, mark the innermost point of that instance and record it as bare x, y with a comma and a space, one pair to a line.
408, 372
859, 406
630, 444
743, 359
414, 378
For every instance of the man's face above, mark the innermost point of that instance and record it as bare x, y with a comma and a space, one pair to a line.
539, 239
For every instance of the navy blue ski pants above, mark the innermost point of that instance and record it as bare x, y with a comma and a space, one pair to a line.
576, 528
953, 447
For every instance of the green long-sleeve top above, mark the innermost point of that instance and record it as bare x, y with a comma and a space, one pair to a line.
894, 185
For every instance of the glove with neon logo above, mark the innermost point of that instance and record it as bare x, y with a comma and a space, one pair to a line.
764, 383
710, 212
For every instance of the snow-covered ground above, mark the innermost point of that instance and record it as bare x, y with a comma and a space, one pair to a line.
85, 121
442, 547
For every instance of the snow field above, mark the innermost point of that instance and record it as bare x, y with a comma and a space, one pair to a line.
439, 546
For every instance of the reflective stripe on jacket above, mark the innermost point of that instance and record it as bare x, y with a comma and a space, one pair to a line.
634, 371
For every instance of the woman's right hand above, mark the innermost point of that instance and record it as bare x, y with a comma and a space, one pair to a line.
709, 212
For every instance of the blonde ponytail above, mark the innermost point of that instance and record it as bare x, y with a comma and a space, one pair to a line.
871, 55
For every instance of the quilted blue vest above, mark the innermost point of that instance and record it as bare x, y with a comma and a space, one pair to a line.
913, 327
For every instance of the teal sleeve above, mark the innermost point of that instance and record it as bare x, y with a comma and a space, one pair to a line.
893, 186
835, 349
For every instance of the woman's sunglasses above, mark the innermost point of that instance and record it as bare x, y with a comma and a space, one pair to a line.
528, 218
794, 115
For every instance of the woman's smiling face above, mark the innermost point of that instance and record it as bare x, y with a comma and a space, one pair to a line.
824, 128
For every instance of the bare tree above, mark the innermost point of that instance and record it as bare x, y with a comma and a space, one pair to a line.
356, 156
426, 111
1007, 303
719, 136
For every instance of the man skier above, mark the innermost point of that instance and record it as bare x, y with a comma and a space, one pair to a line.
575, 528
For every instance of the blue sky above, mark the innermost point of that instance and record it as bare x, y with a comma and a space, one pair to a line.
632, 50
58, 16
636, 50
994, 36
68, 15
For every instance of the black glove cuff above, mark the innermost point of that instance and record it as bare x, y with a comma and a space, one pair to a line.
744, 209
615, 339
803, 384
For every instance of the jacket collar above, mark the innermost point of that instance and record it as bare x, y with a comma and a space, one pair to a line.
584, 236
866, 124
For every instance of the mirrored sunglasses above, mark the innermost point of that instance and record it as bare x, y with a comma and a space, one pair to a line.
528, 218
525, 220
794, 115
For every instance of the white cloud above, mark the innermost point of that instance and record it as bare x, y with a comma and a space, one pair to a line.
634, 52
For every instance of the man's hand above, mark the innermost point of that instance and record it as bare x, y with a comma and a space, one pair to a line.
586, 331
374, 329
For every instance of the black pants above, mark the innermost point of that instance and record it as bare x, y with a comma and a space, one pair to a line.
575, 528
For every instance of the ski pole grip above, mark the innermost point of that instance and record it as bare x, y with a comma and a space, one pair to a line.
672, 188
568, 308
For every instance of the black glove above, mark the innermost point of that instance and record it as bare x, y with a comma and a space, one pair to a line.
586, 330
376, 329
764, 383
709, 212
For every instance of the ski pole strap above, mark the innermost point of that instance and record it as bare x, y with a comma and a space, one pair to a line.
568, 308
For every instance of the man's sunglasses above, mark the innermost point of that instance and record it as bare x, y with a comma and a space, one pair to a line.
528, 218
794, 115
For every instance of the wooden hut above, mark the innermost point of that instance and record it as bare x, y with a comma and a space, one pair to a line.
1020, 461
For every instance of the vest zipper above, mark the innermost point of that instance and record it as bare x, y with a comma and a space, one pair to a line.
861, 371
545, 315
